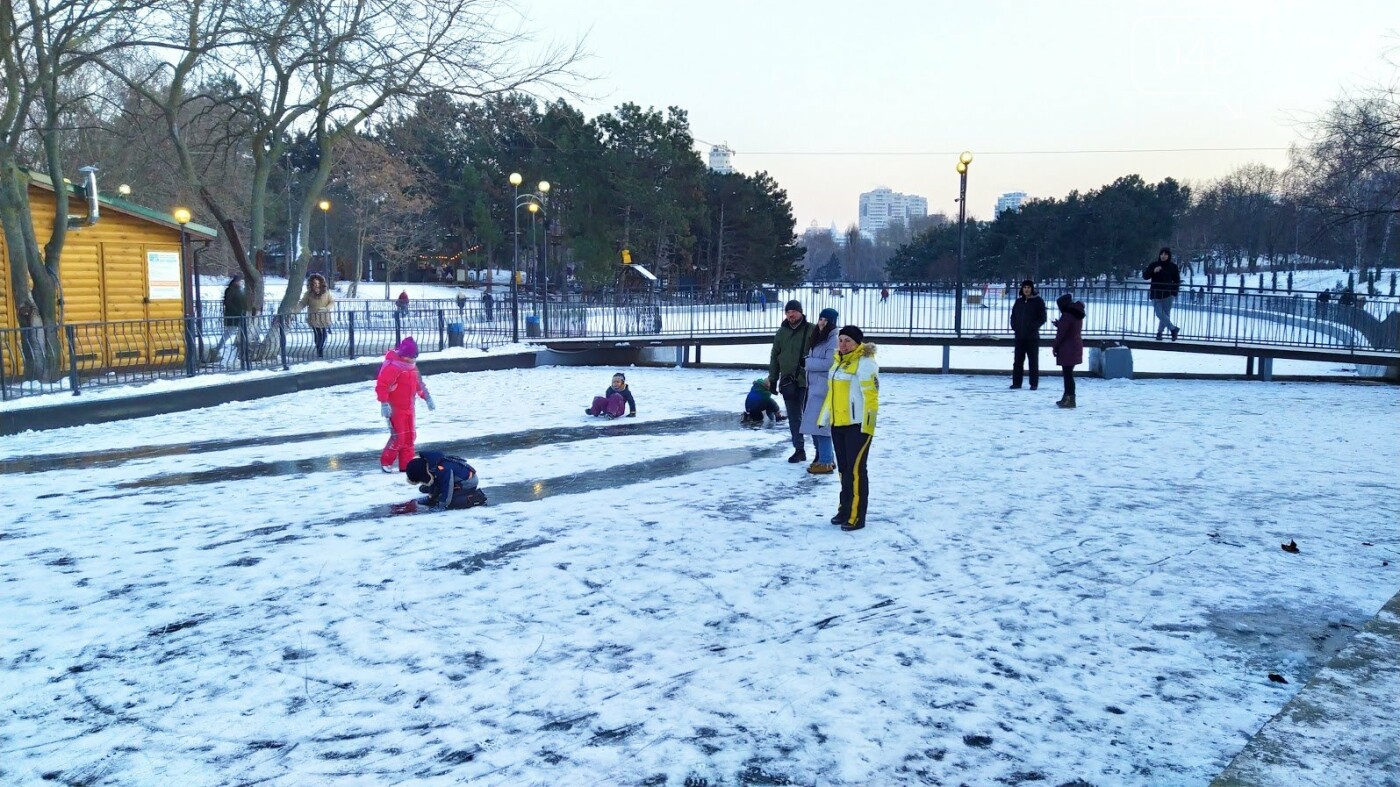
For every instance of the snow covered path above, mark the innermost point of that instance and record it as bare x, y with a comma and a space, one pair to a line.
1042, 595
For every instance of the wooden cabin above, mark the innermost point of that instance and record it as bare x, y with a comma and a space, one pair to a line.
121, 272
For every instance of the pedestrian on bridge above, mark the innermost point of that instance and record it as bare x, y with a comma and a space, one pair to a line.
786, 373
1027, 315
1166, 283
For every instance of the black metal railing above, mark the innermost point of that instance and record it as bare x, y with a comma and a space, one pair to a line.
80, 356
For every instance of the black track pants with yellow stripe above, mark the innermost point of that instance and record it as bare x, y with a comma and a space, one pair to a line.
852, 451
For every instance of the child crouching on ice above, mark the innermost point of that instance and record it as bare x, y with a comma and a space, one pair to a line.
759, 404
448, 481
616, 398
397, 384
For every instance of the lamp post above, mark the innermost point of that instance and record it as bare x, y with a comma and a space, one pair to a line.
325, 206
964, 161
536, 203
190, 276
515, 181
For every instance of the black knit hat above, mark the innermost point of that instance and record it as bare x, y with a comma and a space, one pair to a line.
793, 306
417, 470
856, 334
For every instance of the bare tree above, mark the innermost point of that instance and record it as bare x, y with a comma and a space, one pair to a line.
383, 197
323, 67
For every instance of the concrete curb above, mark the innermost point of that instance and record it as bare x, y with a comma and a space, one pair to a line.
1342, 721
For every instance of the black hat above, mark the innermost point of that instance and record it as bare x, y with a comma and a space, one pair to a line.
856, 334
1065, 301
1028, 282
793, 306
417, 470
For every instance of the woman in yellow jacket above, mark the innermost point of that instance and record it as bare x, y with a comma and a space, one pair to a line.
852, 401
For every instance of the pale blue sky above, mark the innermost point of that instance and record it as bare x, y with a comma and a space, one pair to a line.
781, 78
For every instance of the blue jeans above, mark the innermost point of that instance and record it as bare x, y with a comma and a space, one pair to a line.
826, 451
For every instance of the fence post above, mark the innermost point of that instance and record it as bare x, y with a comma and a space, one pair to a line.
244, 351
442, 331
71, 334
398, 327
190, 347
4, 384
352, 335
282, 340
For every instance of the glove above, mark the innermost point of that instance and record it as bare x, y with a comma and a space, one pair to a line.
429, 399
772, 383
385, 410
632, 414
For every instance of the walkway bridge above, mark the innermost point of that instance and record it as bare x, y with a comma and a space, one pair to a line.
1256, 325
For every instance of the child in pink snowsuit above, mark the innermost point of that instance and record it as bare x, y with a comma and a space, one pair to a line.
397, 384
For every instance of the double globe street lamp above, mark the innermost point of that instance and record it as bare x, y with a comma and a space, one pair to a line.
536, 203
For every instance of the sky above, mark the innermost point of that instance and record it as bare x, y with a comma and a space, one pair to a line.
835, 98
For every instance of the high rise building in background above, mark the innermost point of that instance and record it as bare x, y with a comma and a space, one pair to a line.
1010, 201
722, 159
881, 207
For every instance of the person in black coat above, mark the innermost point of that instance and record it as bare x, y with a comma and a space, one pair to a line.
235, 311
1027, 315
1166, 283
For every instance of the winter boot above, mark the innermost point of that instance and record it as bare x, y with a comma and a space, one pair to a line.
1175, 332
1067, 402
848, 527
840, 519
820, 468
800, 455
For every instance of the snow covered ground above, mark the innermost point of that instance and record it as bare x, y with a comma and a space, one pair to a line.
219, 596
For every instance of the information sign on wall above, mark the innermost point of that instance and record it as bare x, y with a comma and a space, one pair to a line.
163, 276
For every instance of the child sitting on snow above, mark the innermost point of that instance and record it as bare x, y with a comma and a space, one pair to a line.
616, 398
760, 403
448, 481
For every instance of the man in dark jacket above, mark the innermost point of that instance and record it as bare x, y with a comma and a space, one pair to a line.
235, 311
1027, 315
786, 372
1166, 283
448, 481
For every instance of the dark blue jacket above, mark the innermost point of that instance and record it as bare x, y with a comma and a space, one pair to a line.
453, 480
759, 399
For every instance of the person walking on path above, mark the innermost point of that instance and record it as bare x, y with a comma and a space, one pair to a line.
820, 355
1027, 315
1069, 343
235, 311
403, 302
851, 404
317, 301
1166, 283
395, 387
785, 372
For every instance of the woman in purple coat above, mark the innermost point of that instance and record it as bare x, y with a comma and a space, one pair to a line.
1069, 343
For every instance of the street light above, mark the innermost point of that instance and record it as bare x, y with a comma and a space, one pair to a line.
964, 161
125, 191
325, 206
515, 181
190, 276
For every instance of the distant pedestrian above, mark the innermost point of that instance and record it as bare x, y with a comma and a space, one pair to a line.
235, 312
461, 303
851, 404
1166, 283
763, 300
317, 301
396, 386
1069, 343
403, 302
884, 294
1027, 315
786, 373
1347, 298
821, 354
487, 306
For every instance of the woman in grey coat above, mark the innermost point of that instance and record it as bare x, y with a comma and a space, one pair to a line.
818, 363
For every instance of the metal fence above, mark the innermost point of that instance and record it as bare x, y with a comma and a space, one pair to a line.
87, 355
81, 356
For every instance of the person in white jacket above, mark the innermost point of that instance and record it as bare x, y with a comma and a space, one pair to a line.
851, 404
